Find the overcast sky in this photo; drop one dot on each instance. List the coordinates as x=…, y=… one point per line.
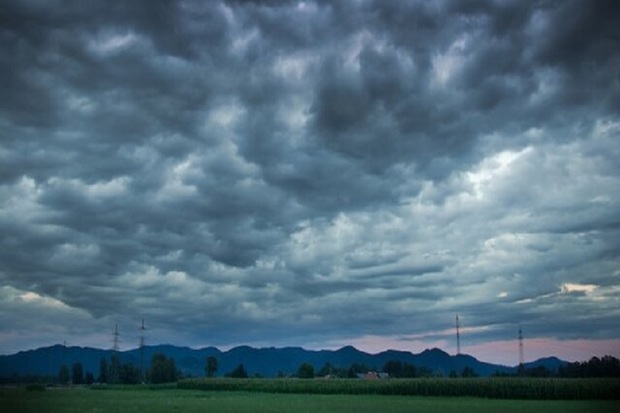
x=313, y=174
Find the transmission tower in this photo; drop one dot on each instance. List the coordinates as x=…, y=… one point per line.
x=114, y=373
x=115, y=338
x=458, y=335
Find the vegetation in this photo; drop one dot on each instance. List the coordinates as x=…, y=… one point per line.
x=63, y=374
x=238, y=373
x=607, y=366
x=394, y=368
x=77, y=373
x=141, y=399
x=306, y=371
x=103, y=371
x=115, y=372
x=35, y=387
x=112, y=371
x=496, y=388
x=211, y=367
x=163, y=369
x=400, y=370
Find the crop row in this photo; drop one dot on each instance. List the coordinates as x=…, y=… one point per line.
x=496, y=387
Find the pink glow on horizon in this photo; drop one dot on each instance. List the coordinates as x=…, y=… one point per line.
x=504, y=352
x=507, y=351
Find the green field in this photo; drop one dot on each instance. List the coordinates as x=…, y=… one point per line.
x=138, y=399
x=512, y=388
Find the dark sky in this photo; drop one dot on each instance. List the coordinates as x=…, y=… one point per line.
x=311, y=173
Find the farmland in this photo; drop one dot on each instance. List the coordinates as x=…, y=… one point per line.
x=141, y=399
x=496, y=387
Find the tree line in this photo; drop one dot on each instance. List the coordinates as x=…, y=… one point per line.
x=607, y=366
x=163, y=369
x=393, y=368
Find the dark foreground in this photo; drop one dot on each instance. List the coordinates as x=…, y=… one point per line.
x=142, y=399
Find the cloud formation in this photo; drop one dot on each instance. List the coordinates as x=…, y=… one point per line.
x=309, y=173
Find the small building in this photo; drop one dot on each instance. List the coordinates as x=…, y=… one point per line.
x=373, y=375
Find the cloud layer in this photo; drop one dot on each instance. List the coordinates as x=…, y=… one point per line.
x=309, y=173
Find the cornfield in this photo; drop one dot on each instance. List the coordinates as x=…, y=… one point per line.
x=496, y=387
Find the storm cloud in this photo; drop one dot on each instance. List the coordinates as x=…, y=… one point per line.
x=309, y=173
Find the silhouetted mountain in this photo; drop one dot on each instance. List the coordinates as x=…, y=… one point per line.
x=553, y=364
x=267, y=362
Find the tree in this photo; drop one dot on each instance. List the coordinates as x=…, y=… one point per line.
x=63, y=374
x=77, y=373
x=239, y=372
x=394, y=368
x=130, y=374
x=358, y=368
x=89, y=378
x=158, y=368
x=468, y=372
x=114, y=371
x=103, y=371
x=539, y=371
x=398, y=369
x=305, y=371
x=172, y=370
x=163, y=369
x=211, y=367
x=327, y=370
x=607, y=366
x=424, y=372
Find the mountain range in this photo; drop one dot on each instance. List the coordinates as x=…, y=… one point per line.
x=266, y=362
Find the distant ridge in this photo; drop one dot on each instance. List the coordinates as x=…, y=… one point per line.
x=267, y=361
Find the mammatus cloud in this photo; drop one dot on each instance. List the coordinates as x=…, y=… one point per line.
x=310, y=173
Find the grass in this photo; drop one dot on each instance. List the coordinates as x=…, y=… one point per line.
x=141, y=399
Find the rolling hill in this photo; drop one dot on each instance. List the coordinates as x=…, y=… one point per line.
x=267, y=362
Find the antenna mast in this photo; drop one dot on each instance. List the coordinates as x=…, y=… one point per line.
x=458, y=335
